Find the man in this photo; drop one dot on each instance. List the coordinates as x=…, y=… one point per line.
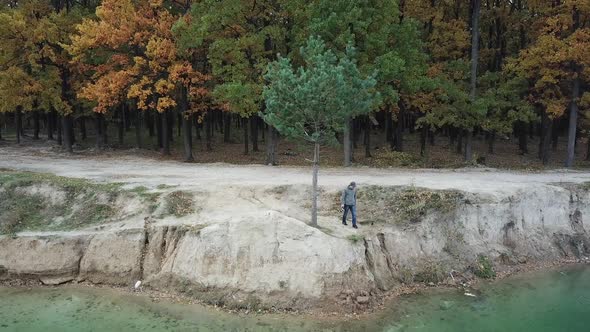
x=348, y=201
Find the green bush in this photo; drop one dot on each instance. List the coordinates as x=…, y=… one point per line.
x=484, y=268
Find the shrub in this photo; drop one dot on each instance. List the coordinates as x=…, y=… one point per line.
x=484, y=268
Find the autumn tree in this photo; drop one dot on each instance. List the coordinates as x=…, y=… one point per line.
x=131, y=53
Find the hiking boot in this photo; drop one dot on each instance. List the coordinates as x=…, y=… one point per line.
x=344, y=223
x=354, y=226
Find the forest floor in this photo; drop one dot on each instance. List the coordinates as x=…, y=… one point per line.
x=440, y=155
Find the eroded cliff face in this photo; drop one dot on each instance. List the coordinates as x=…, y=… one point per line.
x=266, y=256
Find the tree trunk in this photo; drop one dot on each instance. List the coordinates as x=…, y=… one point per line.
x=367, y=137
x=83, y=133
x=491, y=141
x=209, y=129
x=67, y=132
x=555, y=134
x=121, y=125
x=186, y=126
x=98, y=128
x=19, y=124
x=588, y=149
x=227, y=127
x=399, y=129
x=138, y=127
x=160, y=131
x=165, y=134
x=180, y=123
x=254, y=132
x=150, y=123
x=50, y=127
x=170, y=120
x=245, y=125
x=197, y=129
x=388, y=131
x=546, y=128
x=314, y=191
x=573, y=123
x=347, y=141
x=59, y=128
x=423, y=134
x=474, y=62
x=36, y=125
x=271, y=146
x=431, y=137
x=460, y=142
x=468, y=145
x=522, y=138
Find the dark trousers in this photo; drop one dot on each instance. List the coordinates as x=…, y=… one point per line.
x=352, y=209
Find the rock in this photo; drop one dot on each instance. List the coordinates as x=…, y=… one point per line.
x=362, y=299
x=113, y=258
x=52, y=281
x=26, y=256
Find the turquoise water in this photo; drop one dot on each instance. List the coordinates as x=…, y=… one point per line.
x=550, y=301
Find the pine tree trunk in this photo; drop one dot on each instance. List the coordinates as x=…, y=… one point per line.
x=98, y=128
x=150, y=123
x=271, y=146
x=197, y=129
x=347, y=141
x=355, y=135
x=474, y=63
x=170, y=120
x=138, y=127
x=36, y=125
x=59, y=128
x=314, y=191
x=423, y=134
x=180, y=123
x=50, y=128
x=121, y=125
x=523, y=138
x=186, y=126
x=573, y=116
x=83, y=134
x=491, y=141
x=546, y=129
x=431, y=137
x=166, y=134
x=160, y=131
x=388, y=131
x=367, y=137
x=227, y=127
x=209, y=129
x=460, y=142
x=19, y=124
x=555, y=134
x=105, y=131
x=246, y=138
x=67, y=132
x=254, y=132
x=573, y=123
x=399, y=129
x=469, y=145
x=588, y=149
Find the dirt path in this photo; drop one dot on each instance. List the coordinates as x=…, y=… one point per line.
x=150, y=172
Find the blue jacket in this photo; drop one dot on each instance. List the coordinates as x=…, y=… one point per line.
x=348, y=196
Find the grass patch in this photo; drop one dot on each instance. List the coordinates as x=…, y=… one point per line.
x=430, y=271
x=403, y=205
x=354, y=238
x=397, y=159
x=37, y=201
x=484, y=268
x=179, y=203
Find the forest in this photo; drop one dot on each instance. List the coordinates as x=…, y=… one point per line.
x=165, y=74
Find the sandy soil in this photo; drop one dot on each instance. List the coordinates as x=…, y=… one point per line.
x=151, y=172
